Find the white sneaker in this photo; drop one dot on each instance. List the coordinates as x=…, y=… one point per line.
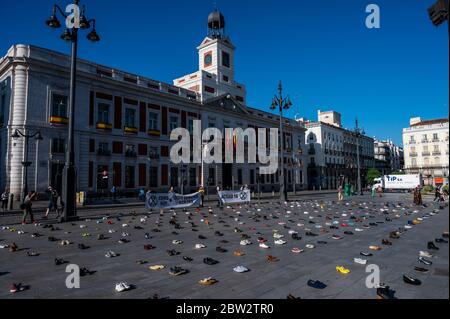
x=200, y=246
x=110, y=254
x=245, y=242
x=240, y=269
x=359, y=230
x=309, y=246
x=278, y=236
x=408, y=227
x=177, y=242
x=280, y=242
x=263, y=246
x=122, y=286
x=360, y=261
x=425, y=254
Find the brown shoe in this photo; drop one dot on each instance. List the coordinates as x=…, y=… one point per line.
x=272, y=259
x=239, y=253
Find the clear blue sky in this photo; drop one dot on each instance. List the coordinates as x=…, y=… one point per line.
x=321, y=50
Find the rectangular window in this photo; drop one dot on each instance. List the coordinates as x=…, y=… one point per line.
x=191, y=126
x=103, y=113
x=130, y=118
x=225, y=78
x=103, y=149
x=59, y=105
x=212, y=176
x=173, y=123
x=153, y=121
x=58, y=146
x=130, y=150
x=435, y=137
x=2, y=109
x=252, y=177
x=240, y=179
x=154, y=152
x=210, y=89
x=192, y=177
x=102, y=177
x=129, y=177
x=226, y=59
x=154, y=177
x=174, y=176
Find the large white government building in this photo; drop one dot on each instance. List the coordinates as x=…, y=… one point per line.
x=123, y=122
x=426, y=150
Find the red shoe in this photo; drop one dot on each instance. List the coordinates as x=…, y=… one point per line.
x=13, y=288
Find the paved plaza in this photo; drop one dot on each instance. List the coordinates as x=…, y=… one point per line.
x=374, y=218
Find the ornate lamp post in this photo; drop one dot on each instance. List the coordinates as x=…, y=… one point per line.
x=71, y=35
x=358, y=133
x=38, y=137
x=282, y=103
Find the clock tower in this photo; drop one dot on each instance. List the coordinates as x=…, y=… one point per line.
x=216, y=64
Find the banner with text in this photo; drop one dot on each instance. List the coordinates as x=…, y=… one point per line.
x=235, y=197
x=172, y=201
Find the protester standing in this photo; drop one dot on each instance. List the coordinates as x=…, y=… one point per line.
x=380, y=191
x=201, y=190
x=340, y=193
x=437, y=194
x=52, y=201
x=114, y=192
x=27, y=207
x=5, y=199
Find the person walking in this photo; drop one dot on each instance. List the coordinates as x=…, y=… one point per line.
x=374, y=191
x=380, y=191
x=5, y=199
x=437, y=194
x=53, y=198
x=114, y=193
x=340, y=193
x=219, y=203
x=27, y=207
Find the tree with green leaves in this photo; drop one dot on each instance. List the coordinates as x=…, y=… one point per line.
x=372, y=173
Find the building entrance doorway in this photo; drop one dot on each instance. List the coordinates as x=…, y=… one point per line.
x=56, y=174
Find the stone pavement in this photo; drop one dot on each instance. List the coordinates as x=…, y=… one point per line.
x=264, y=281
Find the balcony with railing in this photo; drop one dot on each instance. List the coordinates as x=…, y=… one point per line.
x=103, y=126
x=426, y=153
x=414, y=154
x=437, y=153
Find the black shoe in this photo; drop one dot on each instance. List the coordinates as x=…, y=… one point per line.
x=221, y=250
x=296, y=237
x=366, y=254
x=394, y=235
x=82, y=246
x=172, y=252
x=425, y=261
x=386, y=242
x=432, y=246
x=59, y=262
x=316, y=284
x=411, y=281
x=201, y=237
x=422, y=270
x=210, y=261
x=311, y=234
x=385, y=293
x=188, y=259
x=441, y=241
x=218, y=233
x=52, y=239
x=291, y=297
x=348, y=233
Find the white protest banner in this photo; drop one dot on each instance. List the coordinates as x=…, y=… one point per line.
x=235, y=197
x=172, y=201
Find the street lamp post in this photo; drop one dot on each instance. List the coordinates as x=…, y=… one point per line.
x=71, y=35
x=282, y=104
x=358, y=133
x=38, y=137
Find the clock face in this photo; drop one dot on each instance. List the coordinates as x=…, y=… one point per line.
x=208, y=59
